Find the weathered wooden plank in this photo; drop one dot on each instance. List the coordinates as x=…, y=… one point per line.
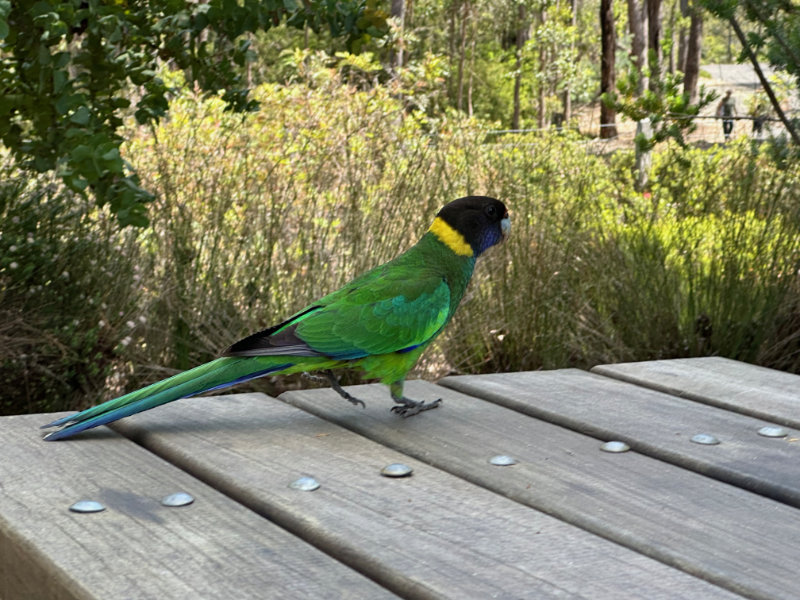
x=724, y=534
x=654, y=423
x=430, y=535
x=137, y=548
x=749, y=389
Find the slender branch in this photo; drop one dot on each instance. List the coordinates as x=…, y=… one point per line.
x=770, y=25
x=764, y=83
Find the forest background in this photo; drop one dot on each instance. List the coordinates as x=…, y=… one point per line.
x=175, y=176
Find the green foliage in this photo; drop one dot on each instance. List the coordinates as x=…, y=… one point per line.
x=525, y=310
x=720, y=45
x=255, y=217
x=72, y=70
x=68, y=295
x=668, y=108
x=258, y=214
x=332, y=179
x=725, y=234
x=704, y=264
x=776, y=30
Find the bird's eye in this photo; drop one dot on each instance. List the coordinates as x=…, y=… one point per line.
x=491, y=211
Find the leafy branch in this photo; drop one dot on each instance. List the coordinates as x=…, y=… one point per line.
x=670, y=112
x=70, y=71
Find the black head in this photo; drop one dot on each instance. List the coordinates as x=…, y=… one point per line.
x=483, y=221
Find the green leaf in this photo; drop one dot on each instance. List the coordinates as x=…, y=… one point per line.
x=80, y=116
x=77, y=183
x=66, y=102
x=60, y=79
x=80, y=153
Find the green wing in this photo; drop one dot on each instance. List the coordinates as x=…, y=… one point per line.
x=393, y=310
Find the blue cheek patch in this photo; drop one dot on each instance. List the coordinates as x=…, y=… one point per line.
x=489, y=239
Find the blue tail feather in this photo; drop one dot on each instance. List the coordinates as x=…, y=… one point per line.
x=190, y=383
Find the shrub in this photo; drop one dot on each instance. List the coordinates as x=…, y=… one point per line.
x=706, y=263
x=258, y=215
x=68, y=296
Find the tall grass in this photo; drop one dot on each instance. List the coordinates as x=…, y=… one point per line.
x=258, y=215
x=603, y=274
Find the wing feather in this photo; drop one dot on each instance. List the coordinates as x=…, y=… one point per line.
x=384, y=311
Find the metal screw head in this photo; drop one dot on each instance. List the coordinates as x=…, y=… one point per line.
x=615, y=446
x=706, y=439
x=502, y=460
x=305, y=484
x=177, y=499
x=396, y=470
x=773, y=431
x=87, y=506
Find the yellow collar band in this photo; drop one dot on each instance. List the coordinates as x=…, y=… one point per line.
x=450, y=237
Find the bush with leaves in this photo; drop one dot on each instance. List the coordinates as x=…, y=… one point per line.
x=332, y=179
x=257, y=215
x=70, y=72
x=68, y=296
x=667, y=107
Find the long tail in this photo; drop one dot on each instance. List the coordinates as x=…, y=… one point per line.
x=214, y=375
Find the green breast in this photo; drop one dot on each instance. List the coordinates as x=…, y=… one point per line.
x=431, y=257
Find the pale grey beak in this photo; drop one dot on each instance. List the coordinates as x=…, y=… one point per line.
x=505, y=226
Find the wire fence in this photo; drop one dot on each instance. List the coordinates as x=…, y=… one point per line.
x=706, y=129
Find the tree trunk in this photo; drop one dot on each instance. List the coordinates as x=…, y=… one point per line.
x=398, y=12
x=636, y=22
x=654, y=42
x=644, y=157
x=462, y=51
x=694, y=46
x=730, y=46
x=683, y=37
x=522, y=37
x=608, y=37
x=672, y=37
x=471, y=71
x=542, y=91
x=567, y=86
x=451, y=34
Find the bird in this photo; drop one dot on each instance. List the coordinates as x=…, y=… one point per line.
x=379, y=323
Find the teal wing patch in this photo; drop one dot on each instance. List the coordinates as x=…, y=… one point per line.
x=379, y=315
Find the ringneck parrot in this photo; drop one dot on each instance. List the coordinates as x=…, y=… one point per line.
x=380, y=323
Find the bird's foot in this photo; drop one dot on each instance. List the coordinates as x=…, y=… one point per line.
x=408, y=408
x=341, y=391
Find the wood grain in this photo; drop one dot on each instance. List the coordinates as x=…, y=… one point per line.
x=654, y=423
x=429, y=535
x=736, y=539
x=749, y=389
x=137, y=548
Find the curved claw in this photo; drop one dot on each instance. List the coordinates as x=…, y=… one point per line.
x=354, y=401
x=408, y=408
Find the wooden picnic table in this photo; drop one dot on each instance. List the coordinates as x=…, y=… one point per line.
x=669, y=518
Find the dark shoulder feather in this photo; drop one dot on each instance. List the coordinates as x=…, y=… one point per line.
x=277, y=340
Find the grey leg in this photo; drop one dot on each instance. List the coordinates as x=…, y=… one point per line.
x=406, y=407
x=340, y=390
